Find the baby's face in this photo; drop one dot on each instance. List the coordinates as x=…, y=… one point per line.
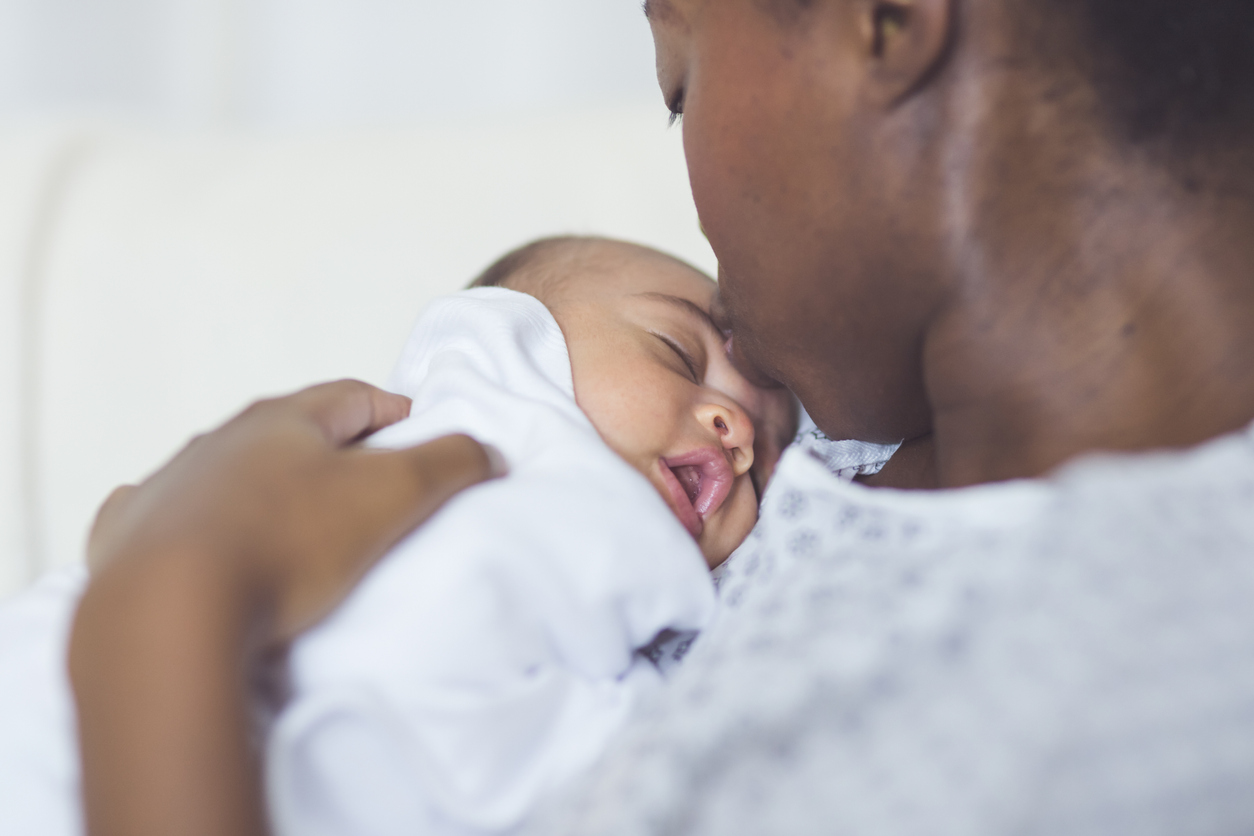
x=651, y=373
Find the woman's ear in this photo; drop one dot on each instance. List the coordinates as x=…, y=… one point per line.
x=904, y=42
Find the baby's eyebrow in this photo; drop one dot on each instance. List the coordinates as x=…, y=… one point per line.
x=688, y=307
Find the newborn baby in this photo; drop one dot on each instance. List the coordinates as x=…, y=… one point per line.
x=651, y=373
x=490, y=656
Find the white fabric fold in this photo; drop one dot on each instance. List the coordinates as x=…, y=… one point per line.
x=843, y=458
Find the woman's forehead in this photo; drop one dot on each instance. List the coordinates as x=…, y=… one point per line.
x=670, y=12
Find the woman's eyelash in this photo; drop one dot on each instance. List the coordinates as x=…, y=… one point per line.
x=676, y=107
x=683, y=355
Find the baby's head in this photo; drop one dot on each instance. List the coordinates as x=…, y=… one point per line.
x=651, y=373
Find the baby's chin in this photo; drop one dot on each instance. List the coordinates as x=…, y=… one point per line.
x=716, y=555
x=723, y=536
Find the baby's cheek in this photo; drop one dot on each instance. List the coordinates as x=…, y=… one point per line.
x=609, y=411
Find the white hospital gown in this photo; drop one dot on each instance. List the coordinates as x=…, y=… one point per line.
x=1067, y=656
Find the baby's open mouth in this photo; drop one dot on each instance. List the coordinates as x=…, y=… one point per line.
x=689, y=477
x=698, y=483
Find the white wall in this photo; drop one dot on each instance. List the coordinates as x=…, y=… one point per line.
x=331, y=228
x=320, y=63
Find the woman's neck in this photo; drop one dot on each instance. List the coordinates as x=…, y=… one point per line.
x=1108, y=309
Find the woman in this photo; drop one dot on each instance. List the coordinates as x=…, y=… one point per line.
x=1019, y=226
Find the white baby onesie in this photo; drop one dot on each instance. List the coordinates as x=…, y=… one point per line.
x=492, y=654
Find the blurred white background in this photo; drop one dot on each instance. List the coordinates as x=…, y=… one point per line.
x=204, y=201
x=299, y=64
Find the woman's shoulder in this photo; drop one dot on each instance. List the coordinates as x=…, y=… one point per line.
x=1051, y=652
x=1209, y=482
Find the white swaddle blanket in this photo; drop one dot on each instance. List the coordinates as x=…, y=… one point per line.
x=491, y=654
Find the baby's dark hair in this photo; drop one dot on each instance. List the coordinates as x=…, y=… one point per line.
x=544, y=267
x=525, y=260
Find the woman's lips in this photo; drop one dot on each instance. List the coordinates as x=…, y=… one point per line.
x=697, y=482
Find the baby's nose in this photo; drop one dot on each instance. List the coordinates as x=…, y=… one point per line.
x=734, y=430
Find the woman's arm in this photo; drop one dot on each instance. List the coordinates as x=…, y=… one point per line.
x=251, y=534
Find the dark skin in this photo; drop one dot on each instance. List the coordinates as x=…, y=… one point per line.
x=907, y=207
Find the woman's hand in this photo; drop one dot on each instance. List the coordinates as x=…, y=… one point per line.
x=279, y=492
x=250, y=535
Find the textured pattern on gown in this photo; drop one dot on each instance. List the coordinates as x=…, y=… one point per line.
x=1067, y=656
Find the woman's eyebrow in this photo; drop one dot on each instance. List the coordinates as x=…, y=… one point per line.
x=655, y=10
x=688, y=307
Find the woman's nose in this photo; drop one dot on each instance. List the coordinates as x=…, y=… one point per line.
x=733, y=428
